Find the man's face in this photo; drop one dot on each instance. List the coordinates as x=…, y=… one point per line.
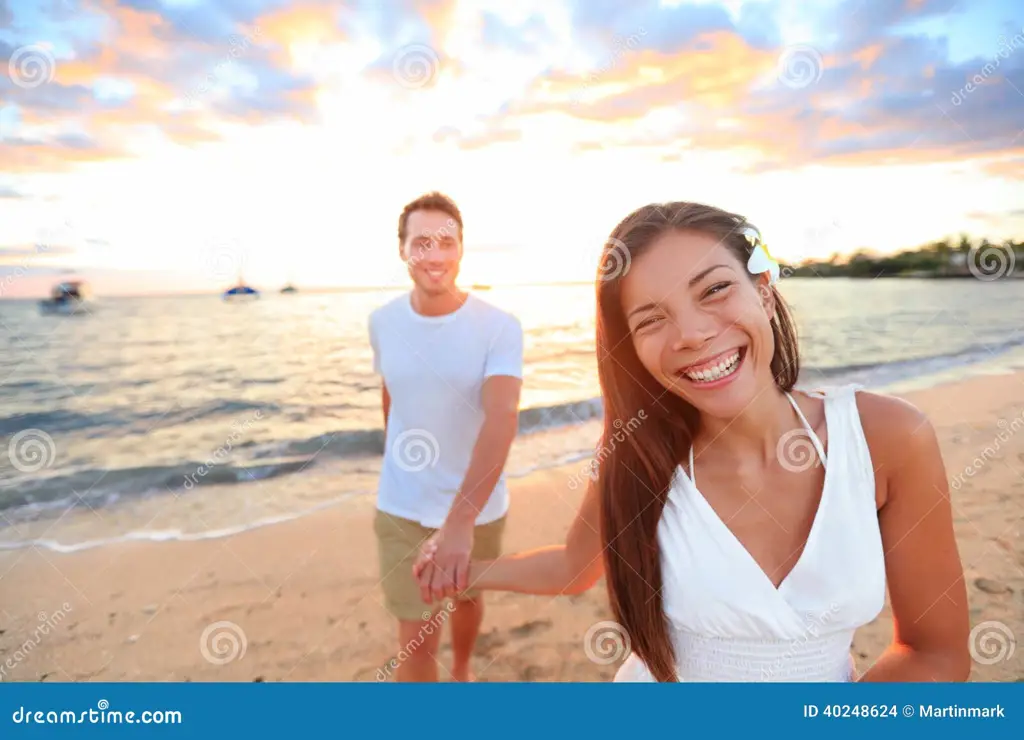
x=432, y=251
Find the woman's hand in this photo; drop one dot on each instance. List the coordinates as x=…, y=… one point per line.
x=556, y=570
x=422, y=569
x=423, y=559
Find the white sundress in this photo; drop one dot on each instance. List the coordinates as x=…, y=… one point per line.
x=728, y=621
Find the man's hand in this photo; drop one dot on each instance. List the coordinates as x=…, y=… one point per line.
x=443, y=565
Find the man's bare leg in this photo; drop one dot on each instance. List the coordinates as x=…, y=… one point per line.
x=466, y=621
x=418, y=641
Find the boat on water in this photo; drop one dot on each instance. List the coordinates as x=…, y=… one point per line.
x=289, y=289
x=241, y=292
x=69, y=298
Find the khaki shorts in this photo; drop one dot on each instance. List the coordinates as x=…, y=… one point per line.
x=398, y=544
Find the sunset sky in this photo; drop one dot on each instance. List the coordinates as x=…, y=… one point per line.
x=162, y=146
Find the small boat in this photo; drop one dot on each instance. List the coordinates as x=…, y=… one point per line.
x=241, y=292
x=289, y=289
x=69, y=298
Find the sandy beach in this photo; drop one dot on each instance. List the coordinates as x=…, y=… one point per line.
x=299, y=600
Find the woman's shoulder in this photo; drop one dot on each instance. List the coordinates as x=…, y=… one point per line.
x=897, y=432
x=876, y=409
x=890, y=415
x=890, y=423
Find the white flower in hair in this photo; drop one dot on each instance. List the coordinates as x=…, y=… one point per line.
x=760, y=260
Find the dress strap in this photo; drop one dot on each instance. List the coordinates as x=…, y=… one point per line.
x=810, y=430
x=692, y=475
x=819, y=448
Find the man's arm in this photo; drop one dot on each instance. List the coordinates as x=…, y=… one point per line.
x=500, y=402
x=448, y=572
x=385, y=402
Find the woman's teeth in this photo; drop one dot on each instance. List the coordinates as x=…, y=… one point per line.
x=725, y=367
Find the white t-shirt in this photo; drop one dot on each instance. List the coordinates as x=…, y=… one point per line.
x=434, y=368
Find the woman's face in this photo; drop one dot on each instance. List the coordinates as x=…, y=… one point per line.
x=699, y=323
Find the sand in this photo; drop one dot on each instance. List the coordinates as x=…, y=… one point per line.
x=299, y=600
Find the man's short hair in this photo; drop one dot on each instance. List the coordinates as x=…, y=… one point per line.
x=434, y=201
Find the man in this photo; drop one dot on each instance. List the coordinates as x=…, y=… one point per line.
x=451, y=366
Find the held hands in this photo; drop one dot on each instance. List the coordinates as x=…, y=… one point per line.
x=442, y=567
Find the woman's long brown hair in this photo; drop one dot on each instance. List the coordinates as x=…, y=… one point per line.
x=636, y=466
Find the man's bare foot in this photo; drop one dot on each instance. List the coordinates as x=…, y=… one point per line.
x=463, y=674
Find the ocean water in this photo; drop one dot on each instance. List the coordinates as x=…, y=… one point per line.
x=189, y=417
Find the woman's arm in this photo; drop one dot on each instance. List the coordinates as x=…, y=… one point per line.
x=923, y=568
x=571, y=568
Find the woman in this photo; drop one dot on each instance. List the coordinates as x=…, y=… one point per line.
x=745, y=529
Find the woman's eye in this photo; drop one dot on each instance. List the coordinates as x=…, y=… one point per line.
x=717, y=288
x=645, y=323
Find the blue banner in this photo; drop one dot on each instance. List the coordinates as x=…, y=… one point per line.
x=522, y=711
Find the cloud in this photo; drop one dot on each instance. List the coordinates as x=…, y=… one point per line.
x=862, y=22
x=205, y=22
x=54, y=154
x=893, y=98
x=480, y=139
x=28, y=253
x=666, y=29
x=148, y=67
x=666, y=79
x=528, y=36
x=394, y=23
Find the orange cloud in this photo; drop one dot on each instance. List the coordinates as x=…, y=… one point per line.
x=1010, y=168
x=869, y=55
x=717, y=73
x=27, y=158
x=719, y=92
x=136, y=33
x=299, y=25
x=438, y=15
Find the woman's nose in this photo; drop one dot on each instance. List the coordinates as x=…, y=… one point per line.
x=692, y=333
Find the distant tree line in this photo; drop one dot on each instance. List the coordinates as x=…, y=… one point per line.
x=964, y=258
